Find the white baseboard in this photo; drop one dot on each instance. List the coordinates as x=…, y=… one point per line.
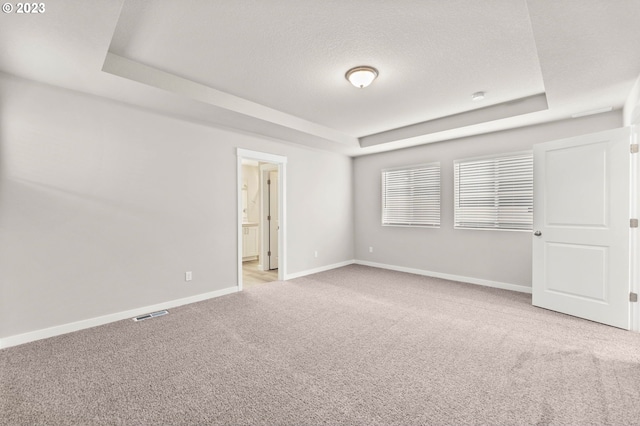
x=31, y=336
x=320, y=269
x=105, y=319
x=469, y=280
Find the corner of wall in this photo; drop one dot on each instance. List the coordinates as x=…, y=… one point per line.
x=319, y=269
x=631, y=110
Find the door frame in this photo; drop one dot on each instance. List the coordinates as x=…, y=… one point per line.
x=281, y=162
x=634, y=238
x=264, y=170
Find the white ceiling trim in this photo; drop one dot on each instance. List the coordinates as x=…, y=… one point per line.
x=135, y=71
x=200, y=66
x=458, y=121
x=132, y=70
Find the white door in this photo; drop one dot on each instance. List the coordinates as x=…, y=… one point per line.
x=274, y=224
x=581, y=226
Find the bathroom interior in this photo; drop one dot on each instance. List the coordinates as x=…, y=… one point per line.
x=259, y=223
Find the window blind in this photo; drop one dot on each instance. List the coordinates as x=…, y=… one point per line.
x=411, y=196
x=494, y=193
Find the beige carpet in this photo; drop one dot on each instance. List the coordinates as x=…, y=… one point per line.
x=352, y=346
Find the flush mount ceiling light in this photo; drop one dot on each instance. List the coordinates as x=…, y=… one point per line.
x=361, y=76
x=478, y=96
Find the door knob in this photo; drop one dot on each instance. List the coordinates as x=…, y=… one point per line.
x=537, y=233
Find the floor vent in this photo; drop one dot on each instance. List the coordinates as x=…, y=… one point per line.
x=151, y=315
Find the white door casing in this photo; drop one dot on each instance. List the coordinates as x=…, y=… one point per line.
x=265, y=227
x=273, y=219
x=581, y=263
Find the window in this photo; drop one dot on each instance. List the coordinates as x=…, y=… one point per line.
x=411, y=196
x=494, y=193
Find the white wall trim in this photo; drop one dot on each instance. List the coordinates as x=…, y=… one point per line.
x=469, y=280
x=261, y=156
x=44, y=333
x=105, y=319
x=319, y=269
x=634, y=243
x=459, y=278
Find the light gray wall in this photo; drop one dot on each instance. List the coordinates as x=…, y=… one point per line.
x=499, y=256
x=104, y=207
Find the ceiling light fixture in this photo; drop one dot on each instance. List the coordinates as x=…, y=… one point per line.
x=361, y=76
x=478, y=96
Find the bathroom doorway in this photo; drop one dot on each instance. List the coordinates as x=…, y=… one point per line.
x=261, y=208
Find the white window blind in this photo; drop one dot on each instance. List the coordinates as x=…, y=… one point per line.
x=494, y=193
x=411, y=196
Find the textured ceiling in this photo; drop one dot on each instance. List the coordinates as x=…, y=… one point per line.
x=291, y=55
x=276, y=68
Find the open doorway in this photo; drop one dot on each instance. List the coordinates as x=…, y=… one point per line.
x=261, y=215
x=259, y=222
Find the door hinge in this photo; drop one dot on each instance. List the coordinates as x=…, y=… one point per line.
x=268, y=181
x=634, y=148
x=633, y=297
x=269, y=254
x=269, y=217
x=633, y=223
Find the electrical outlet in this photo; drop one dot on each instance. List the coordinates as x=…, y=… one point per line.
x=188, y=276
x=315, y=253
x=370, y=249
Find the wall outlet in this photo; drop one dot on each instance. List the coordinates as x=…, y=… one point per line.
x=188, y=276
x=370, y=249
x=315, y=253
